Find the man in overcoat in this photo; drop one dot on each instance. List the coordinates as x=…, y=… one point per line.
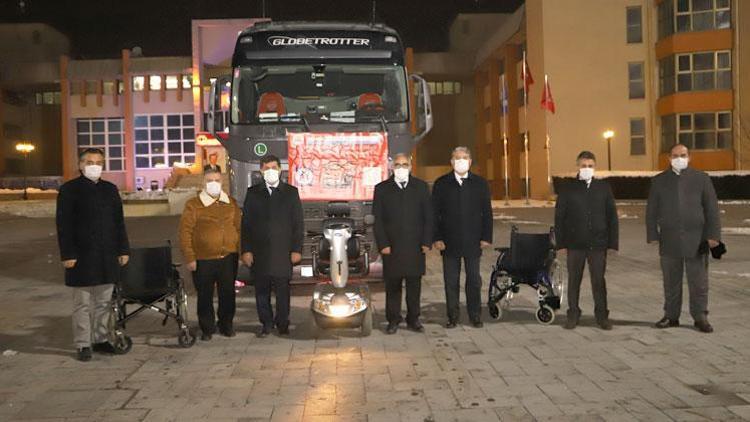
x=682, y=214
x=93, y=245
x=403, y=232
x=463, y=226
x=272, y=236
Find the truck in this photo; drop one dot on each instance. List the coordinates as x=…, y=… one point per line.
x=294, y=80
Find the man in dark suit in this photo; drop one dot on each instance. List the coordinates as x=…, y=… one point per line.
x=403, y=232
x=212, y=163
x=585, y=227
x=93, y=246
x=463, y=226
x=272, y=235
x=683, y=216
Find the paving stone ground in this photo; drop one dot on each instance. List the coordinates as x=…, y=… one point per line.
x=510, y=370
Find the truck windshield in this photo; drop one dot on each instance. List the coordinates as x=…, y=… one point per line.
x=345, y=93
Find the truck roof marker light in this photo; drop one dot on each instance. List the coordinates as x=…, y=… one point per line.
x=246, y=40
x=222, y=135
x=390, y=38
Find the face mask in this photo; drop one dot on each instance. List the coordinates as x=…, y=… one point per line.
x=213, y=188
x=93, y=172
x=461, y=165
x=586, y=173
x=679, y=163
x=271, y=176
x=401, y=175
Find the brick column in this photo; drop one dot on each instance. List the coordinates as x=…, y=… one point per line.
x=128, y=121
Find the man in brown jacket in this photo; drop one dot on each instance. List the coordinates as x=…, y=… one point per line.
x=209, y=239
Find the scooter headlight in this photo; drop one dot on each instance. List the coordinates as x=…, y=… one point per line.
x=339, y=305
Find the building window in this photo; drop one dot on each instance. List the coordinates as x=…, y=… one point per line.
x=638, y=136
x=139, y=82
x=444, y=88
x=634, y=17
x=48, y=98
x=172, y=82
x=700, y=131
x=108, y=87
x=186, y=82
x=704, y=71
x=154, y=83
x=107, y=134
x=636, y=85
x=702, y=15
x=161, y=140
x=666, y=76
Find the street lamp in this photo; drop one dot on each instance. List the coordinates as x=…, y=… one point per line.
x=25, y=148
x=608, y=135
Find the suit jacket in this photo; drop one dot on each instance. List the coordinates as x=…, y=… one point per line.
x=586, y=217
x=272, y=228
x=403, y=222
x=463, y=214
x=682, y=212
x=91, y=229
x=209, y=166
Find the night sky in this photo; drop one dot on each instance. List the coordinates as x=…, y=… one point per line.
x=101, y=28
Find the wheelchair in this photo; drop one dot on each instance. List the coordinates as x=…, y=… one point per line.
x=531, y=260
x=149, y=279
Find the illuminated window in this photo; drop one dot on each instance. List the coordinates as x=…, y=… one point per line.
x=139, y=82
x=154, y=83
x=172, y=82
x=186, y=82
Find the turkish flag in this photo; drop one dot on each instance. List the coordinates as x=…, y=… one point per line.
x=547, y=101
x=526, y=74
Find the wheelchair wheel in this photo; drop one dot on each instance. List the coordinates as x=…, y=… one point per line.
x=122, y=343
x=545, y=315
x=495, y=311
x=181, y=304
x=186, y=338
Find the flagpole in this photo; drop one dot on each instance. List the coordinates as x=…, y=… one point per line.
x=549, y=152
x=504, y=100
x=526, y=125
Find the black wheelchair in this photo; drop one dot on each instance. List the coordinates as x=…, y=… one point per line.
x=149, y=279
x=531, y=259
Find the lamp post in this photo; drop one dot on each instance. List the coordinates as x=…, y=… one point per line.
x=608, y=135
x=25, y=148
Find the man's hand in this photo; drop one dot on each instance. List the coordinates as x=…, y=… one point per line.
x=425, y=249
x=296, y=257
x=247, y=259
x=439, y=245
x=386, y=251
x=69, y=263
x=483, y=244
x=192, y=266
x=123, y=260
x=712, y=243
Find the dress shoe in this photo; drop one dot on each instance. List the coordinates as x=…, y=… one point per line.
x=451, y=324
x=84, y=354
x=283, y=330
x=604, y=324
x=703, y=326
x=104, y=348
x=477, y=324
x=416, y=326
x=227, y=332
x=263, y=332
x=392, y=328
x=206, y=336
x=666, y=323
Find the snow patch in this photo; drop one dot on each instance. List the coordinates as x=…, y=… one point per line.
x=736, y=230
x=628, y=217
x=503, y=217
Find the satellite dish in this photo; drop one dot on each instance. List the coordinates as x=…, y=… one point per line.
x=136, y=52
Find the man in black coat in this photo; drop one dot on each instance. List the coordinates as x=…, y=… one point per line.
x=586, y=227
x=272, y=236
x=463, y=226
x=682, y=214
x=93, y=245
x=403, y=232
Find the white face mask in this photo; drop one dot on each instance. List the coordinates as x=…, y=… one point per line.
x=586, y=173
x=679, y=163
x=461, y=165
x=213, y=188
x=271, y=176
x=92, y=172
x=401, y=175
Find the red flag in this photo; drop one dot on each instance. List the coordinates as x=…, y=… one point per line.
x=547, y=101
x=526, y=74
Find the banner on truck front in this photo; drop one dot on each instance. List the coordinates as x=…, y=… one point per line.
x=337, y=166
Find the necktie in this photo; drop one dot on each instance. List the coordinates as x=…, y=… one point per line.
x=463, y=180
x=273, y=190
x=403, y=185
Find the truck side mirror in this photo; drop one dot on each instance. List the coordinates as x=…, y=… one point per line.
x=424, y=107
x=217, y=122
